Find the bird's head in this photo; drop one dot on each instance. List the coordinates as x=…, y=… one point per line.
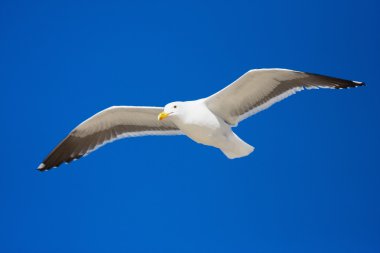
x=171, y=110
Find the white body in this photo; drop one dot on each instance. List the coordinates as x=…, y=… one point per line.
x=213, y=132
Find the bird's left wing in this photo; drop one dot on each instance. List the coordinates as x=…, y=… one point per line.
x=258, y=89
x=108, y=125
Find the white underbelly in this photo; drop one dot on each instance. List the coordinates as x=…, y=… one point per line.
x=199, y=134
x=211, y=135
x=203, y=126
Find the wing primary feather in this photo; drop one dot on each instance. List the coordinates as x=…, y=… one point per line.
x=111, y=124
x=259, y=89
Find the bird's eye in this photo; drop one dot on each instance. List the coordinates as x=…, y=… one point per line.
x=175, y=106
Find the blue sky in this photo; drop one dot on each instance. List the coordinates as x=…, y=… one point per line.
x=312, y=184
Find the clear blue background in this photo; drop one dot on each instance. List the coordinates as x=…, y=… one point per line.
x=312, y=184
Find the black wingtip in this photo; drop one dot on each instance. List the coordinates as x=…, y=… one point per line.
x=42, y=167
x=346, y=84
x=45, y=166
x=357, y=84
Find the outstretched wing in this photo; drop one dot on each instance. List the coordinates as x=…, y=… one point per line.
x=106, y=126
x=258, y=89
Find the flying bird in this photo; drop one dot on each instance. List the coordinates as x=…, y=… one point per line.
x=208, y=121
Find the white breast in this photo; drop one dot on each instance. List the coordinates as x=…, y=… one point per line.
x=201, y=125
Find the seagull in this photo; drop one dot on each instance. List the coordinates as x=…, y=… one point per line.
x=207, y=121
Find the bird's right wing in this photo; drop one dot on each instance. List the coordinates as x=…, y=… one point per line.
x=258, y=89
x=108, y=125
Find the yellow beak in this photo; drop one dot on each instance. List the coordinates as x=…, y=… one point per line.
x=162, y=115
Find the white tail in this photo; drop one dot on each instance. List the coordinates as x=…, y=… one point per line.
x=236, y=147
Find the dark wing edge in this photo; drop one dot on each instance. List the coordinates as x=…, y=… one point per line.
x=297, y=81
x=74, y=147
x=111, y=124
x=289, y=87
x=329, y=82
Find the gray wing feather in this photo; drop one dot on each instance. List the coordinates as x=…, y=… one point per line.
x=258, y=89
x=106, y=126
